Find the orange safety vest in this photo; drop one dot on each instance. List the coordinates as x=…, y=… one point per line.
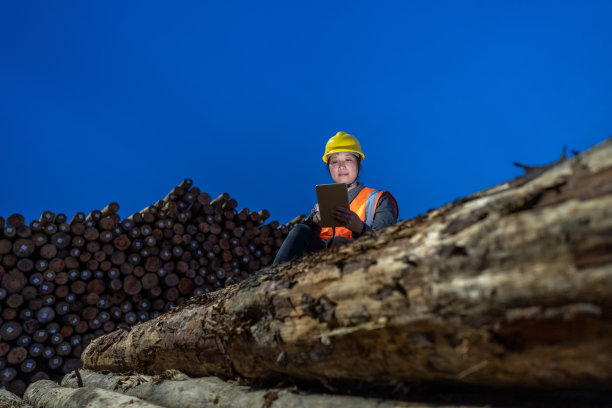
x=364, y=205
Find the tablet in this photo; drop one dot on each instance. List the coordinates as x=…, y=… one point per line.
x=329, y=196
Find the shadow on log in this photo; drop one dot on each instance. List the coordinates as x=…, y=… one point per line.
x=509, y=287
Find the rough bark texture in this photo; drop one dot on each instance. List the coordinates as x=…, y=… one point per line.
x=10, y=400
x=511, y=286
x=173, y=389
x=49, y=394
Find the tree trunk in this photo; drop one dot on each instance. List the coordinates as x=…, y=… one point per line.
x=48, y=394
x=173, y=389
x=511, y=286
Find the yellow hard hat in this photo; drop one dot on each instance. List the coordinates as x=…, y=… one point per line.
x=342, y=142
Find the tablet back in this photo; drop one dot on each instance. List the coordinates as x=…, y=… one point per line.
x=329, y=196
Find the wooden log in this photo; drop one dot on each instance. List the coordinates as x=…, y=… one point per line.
x=4, y=348
x=17, y=386
x=25, y=265
x=186, y=184
x=510, y=286
x=24, y=231
x=55, y=362
x=220, y=200
x=132, y=285
x=64, y=227
x=9, y=232
x=77, y=228
x=28, y=366
x=39, y=375
x=61, y=218
x=46, y=288
x=56, y=265
x=230, y=204
x=203, y=199
x=14, y=300
x=17, y=355
x=78, y=217
x=10, y=400
x=60, y=240
x=35, y=226
x=35, y=350
x=49, y=394
x=23, y=248
x=47, y=217
x=15, y=221
x=10, y=330
x=173, y=389
x=24, y=340
x=137, y=218
x=6, y=246
x=106, y=224
x=111, y=208
x=48, y=251
x=8, y=374
x=50, y=229
x=91, y=234
x=45, y=314
x=152, y=264
x=117, y=257
x=14, y=281
x=95, y=216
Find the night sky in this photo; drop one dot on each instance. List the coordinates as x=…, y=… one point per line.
x=121, y=101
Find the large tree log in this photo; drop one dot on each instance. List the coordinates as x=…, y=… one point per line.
x=10, y=400
x=49, y=394
x=173, y=389
x=511, y=286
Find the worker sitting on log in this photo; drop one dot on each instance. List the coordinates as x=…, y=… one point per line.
x=370, y=209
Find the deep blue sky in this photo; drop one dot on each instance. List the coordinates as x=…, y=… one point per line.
x=106, y=101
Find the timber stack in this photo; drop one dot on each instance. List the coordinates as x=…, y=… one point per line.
x=67, y=281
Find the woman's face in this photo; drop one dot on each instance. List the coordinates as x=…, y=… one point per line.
x=343, y=167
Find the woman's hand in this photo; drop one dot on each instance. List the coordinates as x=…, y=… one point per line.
x=348, y=219
x=314, y=222
x=317, y=218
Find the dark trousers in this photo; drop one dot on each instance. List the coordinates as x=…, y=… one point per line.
x=300, y=240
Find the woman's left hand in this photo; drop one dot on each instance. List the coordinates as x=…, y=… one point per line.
x=348, y=218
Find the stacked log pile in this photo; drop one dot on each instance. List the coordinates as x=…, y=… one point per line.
x=67, y=281
x=510, y=288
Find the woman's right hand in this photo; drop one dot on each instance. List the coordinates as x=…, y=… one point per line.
x=314, y=221
x=317, y=218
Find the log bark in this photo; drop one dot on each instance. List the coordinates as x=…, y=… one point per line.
x=10, y=400
x=511, y=286
x=49, y=394
x=172, y=389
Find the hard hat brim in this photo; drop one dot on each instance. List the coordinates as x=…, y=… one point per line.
x=326, y=156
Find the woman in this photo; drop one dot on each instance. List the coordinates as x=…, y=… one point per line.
x=369, y=210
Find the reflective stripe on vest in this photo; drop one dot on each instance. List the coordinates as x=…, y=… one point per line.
x=364, y=205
